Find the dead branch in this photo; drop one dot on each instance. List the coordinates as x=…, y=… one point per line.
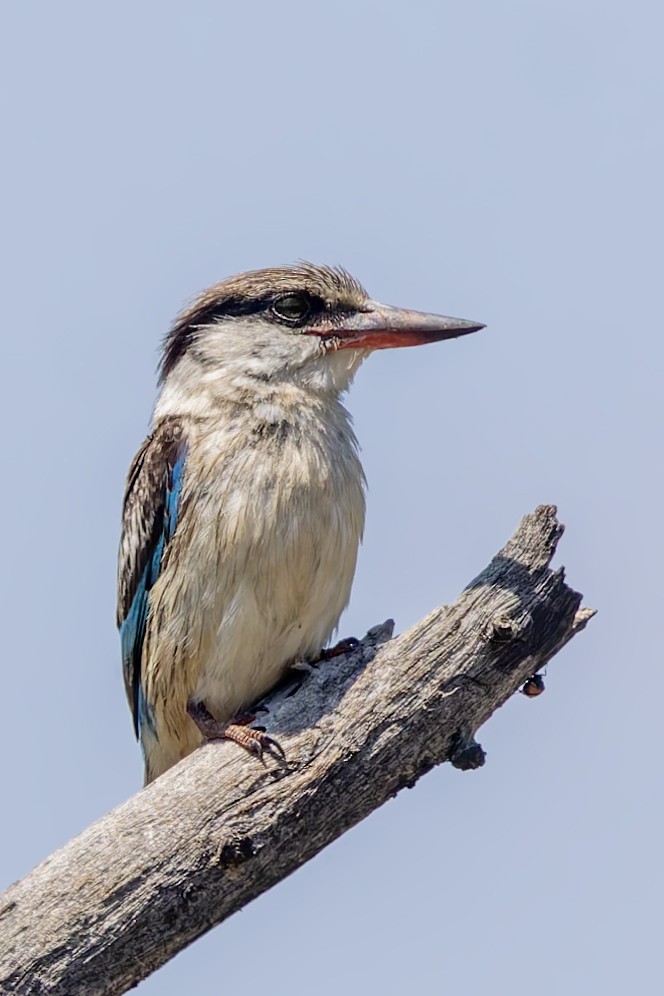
x=179, y=857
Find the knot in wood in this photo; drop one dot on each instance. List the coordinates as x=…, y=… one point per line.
x=505, y=629
x=465, y=752
x=469, y=758
x=236, y=852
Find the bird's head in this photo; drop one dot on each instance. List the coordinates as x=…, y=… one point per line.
x=303, y=324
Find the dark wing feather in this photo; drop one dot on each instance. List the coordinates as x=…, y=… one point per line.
x=150, y=515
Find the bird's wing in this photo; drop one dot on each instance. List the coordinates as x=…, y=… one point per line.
x=150, y=516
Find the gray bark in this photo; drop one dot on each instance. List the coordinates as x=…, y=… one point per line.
x=212, y=833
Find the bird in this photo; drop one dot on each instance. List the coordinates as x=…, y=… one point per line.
x=244, y=507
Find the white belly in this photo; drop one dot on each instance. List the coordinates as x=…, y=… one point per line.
x=284, y=607
x=274, y=548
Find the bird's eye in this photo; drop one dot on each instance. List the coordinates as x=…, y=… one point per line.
x=292, y=307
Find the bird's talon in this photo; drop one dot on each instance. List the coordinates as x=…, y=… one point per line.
x=254, y=739
x=274, y=745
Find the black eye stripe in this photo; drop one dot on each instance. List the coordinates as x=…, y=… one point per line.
x=184, y=332
x=237, y=307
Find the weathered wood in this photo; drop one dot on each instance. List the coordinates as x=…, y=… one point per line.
x=211, y=834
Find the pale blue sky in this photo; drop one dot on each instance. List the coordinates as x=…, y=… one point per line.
x=500, y=161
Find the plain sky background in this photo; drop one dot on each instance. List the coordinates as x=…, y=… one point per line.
x=500, y=161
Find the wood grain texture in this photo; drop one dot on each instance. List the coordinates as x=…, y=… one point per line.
x=220, y=828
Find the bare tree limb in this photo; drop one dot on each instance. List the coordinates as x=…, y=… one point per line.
x=211, y=834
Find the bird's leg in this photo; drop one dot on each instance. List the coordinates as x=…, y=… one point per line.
x=342, y=647
x=237, y=730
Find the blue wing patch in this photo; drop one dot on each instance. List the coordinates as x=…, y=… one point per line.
x=152, y=509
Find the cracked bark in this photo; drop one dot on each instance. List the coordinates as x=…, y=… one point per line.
x=203, y=840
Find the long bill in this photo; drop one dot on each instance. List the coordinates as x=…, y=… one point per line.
x=381, y=326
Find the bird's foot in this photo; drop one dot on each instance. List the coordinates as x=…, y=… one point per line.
x=255, y=740
x=342, y=647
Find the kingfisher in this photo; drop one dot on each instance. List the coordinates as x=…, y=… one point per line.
x=244, y=507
